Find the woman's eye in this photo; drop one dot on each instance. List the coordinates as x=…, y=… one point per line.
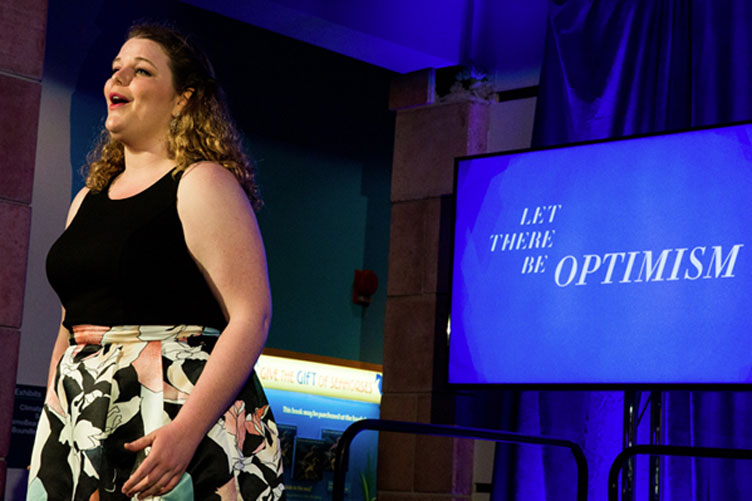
x=115, y=70
x=143, y=72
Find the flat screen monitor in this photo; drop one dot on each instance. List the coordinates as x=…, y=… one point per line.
x=621, y=262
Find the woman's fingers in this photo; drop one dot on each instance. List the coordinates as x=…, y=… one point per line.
x=140, y=478
x=148, y=486
x=140, y=443
x=138, y=488
x=165, y=463
x=161, y=486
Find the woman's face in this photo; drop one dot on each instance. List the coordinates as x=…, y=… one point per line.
x=141, y=99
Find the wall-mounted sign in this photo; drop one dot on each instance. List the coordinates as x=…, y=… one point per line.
x=288, y=374
x=27, y=407
x=313, y=403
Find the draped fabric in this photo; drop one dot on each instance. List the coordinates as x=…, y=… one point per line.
x=615, y=68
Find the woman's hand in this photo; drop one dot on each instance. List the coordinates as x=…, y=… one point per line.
x=164, y=466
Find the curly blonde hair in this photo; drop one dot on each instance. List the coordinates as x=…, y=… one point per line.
x=204, y=129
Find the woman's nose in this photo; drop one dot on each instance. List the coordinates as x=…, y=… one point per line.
x=121, y=76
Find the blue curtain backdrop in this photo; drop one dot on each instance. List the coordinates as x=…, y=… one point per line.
x=615, y=68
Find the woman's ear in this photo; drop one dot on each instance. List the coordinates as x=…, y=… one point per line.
x=182, y=101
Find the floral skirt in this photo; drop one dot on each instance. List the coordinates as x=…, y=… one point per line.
x=116, y=384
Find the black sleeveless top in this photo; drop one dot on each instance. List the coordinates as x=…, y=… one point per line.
x=125, y=262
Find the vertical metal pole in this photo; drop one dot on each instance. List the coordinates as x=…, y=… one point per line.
x=631, y=405
x=656, y=438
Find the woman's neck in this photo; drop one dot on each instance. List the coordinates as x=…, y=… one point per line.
x=146, y=162
x=142, y=169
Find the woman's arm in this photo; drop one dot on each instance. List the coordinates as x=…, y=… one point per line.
x=61, y=344
x=62, y=341
x=222, y=235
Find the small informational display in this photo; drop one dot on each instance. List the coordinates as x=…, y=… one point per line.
x=618, y=262
x=27, y=407
x=313, y=403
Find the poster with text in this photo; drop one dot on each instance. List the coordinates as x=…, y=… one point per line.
x=313, y=403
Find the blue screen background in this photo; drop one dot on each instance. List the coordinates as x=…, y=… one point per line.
x=645, y=194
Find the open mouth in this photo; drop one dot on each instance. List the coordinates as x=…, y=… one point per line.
x=117, y=100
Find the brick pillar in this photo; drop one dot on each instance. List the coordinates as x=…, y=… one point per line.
x=22, y=34
x=427, y=139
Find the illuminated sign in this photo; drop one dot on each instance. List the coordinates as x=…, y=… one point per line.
x=617, y=262
x=316, y=378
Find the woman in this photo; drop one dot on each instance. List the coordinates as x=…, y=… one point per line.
x=160, y=254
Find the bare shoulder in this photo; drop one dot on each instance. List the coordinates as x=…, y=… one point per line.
x=208, y=177
x=218, y=222
x=207, y=189
x=75, y=204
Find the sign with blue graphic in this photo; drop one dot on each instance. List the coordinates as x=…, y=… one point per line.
x=619, y=262
x=313, y=403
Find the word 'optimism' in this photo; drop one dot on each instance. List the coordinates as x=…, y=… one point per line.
x=640, y=266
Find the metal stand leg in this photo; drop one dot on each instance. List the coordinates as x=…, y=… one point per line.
x=631, y=405
x=656, y=438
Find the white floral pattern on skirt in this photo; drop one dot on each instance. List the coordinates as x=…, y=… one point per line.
x=116, y=384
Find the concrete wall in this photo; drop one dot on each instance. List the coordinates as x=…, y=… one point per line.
x=22, y=35
x=429, y=136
